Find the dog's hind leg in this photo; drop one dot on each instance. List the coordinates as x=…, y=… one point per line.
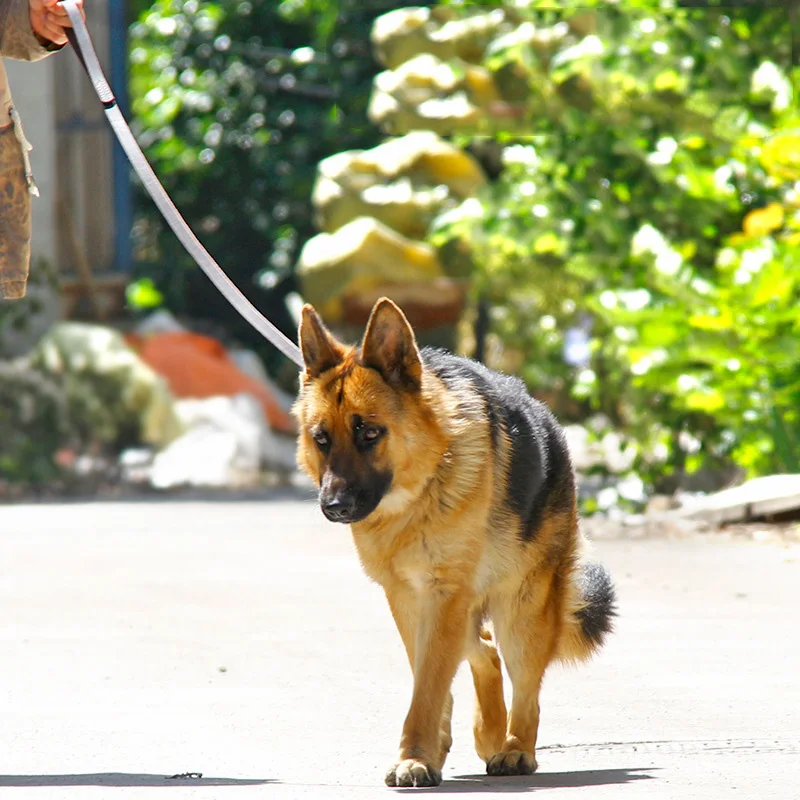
x=489, y=725
x=527, y=630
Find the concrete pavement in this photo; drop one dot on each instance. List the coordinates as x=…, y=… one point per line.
x=241, y=640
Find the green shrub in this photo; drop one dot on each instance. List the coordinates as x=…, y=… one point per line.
x=654, y=208
x=34, y=425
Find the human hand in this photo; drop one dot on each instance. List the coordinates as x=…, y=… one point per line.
x=49, y=19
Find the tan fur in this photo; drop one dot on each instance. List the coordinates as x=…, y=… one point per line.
x=443, y=545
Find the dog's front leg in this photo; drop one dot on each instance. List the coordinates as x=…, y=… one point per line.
x=438, y=650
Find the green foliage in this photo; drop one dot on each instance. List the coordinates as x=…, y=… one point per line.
x=18, y=316
x=235, y=103
x=655, y=206
x=143, y=294
x=724, y=350
x=47, y=419
x=30, y=401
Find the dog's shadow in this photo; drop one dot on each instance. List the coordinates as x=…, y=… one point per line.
x=542, y=780
x=125, y=779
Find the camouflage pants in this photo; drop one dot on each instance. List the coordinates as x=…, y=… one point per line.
x=15, y=218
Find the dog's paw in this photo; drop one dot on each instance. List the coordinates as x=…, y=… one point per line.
x=412, y=772
x=514, y=762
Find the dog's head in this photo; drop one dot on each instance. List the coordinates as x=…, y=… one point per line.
x=362, y=414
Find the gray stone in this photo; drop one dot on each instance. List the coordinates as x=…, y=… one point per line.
x=757, y=498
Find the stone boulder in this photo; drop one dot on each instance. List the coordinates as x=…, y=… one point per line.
x=343, y=273
x=443, y=96
x=404, y=183
x=445, y=32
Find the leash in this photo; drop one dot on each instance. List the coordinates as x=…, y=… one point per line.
x=82, y=45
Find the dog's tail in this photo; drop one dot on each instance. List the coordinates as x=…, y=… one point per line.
x=590, y=613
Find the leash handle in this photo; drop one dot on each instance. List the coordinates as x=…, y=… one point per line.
x=82, y=45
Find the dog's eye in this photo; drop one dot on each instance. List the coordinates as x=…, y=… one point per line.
x=369, y=435
x=365, y=435
x=322, y=439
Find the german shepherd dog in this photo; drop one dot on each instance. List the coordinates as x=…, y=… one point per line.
x=460, y=495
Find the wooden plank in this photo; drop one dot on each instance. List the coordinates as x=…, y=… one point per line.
x=95, y=143
x=84, y=159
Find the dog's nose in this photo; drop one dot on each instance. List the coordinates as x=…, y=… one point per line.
x=339, y=508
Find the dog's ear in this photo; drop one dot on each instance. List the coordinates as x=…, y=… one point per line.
x=390, y=347
x=320, y=349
